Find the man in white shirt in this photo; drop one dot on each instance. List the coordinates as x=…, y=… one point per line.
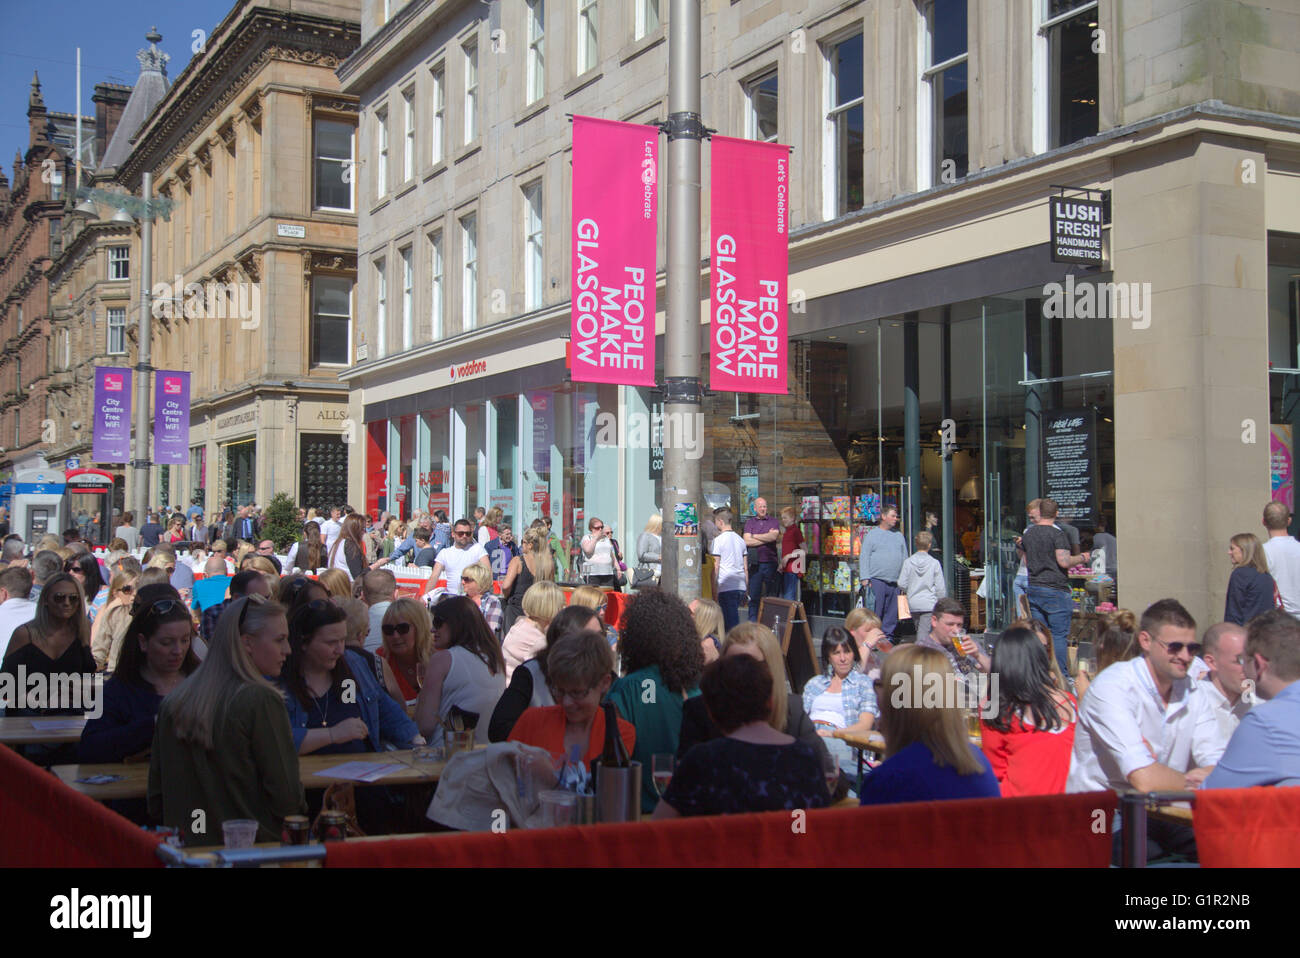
x=1144, y=725
x=378, y=590
x=1225, y=645
x=16, y=608
x=1283, y=554
x=731, y=571
x=329, y=530
x=462, y=553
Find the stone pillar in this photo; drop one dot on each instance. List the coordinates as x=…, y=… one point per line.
x=1191, y=378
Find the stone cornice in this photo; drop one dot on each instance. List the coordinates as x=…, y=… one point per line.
x=222, y=74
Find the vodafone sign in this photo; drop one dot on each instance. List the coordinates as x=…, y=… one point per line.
x=465, y=370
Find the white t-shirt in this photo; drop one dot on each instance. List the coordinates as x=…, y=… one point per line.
x=329, y=531
x=1283, y=554
x=375, y=637
x=732, y=558
x=455, y=561
x=484, y=535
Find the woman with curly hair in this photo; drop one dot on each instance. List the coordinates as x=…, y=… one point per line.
x=662, y=662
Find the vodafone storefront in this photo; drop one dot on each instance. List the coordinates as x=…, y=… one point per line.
x=505, y=429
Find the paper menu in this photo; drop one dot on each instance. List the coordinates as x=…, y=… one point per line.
x=361, y=771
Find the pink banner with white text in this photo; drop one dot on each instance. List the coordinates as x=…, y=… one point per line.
x=749, y=259
x=615, y=216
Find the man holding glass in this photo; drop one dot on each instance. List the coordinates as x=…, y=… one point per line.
x=948, y=635
x=1145, y=725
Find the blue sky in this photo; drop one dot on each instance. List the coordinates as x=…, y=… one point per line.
x=44, y=36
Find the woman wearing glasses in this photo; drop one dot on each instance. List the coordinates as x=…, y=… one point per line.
x=110, y=625
x=222, y=742
x=156, y=657
x=465, y=672
x=317, y=680
x=55, y=642
x=580, y=669
x=598, y=549
x=407, y=644
x=85, y=569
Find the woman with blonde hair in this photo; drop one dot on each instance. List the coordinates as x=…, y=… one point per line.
x=336, y=582
x=788, y=716
x=928, y=753
x=242, y=551
x=110, y=625
x=869, y=633
x=527, y=636
x=649, y=551
x=534, y=564
x=708, y=623
x=597, y=600
x=358, y=628
x=1251, y=590
x=223, y=742
x=408, y=643
x=476, y=583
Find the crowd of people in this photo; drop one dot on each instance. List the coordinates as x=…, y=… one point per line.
x=224, y=679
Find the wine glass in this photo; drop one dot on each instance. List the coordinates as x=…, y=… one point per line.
x=661, y=769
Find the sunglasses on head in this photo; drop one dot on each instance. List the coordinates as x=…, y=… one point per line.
x=397, y=628
x=243, y=613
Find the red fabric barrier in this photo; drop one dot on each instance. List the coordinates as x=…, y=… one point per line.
x=47, y=824
x=1050, y=831
x=1247, y=827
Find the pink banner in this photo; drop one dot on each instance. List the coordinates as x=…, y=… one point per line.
x=615, y=216
x=749, y=265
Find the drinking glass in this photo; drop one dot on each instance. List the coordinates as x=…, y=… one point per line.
x=661, y=768
x=239, y=832
x=831, y=770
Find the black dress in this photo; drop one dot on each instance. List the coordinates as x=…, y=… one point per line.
x=515, y=601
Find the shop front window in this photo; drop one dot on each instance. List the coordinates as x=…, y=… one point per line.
x=238, y=471
x=1283, y=365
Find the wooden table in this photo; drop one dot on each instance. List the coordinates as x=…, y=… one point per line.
x=1179, y=814
x=19, y=730
x=134, y=780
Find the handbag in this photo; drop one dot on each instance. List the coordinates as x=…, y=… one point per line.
x=643, y=575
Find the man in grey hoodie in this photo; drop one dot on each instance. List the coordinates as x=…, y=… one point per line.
x=922, y=580
x=883, y=552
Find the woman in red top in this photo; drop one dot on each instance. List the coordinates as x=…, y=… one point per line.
x=579, y=668
x=408, y=643
x=1030, y=740
x=791, y=550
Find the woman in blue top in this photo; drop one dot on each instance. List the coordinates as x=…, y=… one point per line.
x=928, y=754
x=841, y=698
x=1250, y=588
x=662, y=662
x=156, y=657
x=335, y=703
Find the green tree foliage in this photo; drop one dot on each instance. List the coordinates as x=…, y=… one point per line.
x=280, y=522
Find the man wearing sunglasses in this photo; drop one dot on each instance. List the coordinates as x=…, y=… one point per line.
x=456, y=558
x=1145, y=725
x=1265, y=749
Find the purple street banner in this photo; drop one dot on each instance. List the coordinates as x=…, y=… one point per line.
x=171, y=422
x=111, y=440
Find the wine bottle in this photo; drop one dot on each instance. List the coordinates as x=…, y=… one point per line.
x=615, y=753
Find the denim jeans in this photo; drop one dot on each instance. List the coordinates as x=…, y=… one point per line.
x=1019, y=587
x=1054, y=608
x=790, y=586
x=886, y=605
x=761, y=583
x=730, y=602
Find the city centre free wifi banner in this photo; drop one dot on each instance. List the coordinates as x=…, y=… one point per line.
x=615, y=217
x=171, y=424
x=749, y=265
x=111, y=438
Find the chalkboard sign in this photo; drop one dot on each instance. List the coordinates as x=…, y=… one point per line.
x=1070, y=464
x=790, y=623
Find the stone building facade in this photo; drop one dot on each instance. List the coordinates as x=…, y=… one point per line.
x=928, y=136
x=253, y=271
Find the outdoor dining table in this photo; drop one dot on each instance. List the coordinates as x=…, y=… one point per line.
x=132, y=780
x=23, y=730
